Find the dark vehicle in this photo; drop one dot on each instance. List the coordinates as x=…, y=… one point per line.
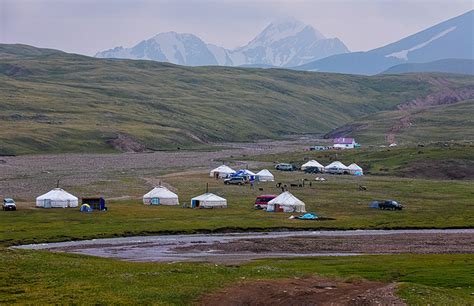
x=336, y=170
x=390, y=205
x=312, y=170
x=262, y=201
x=8, y=204
x=236, y=180
x=284, y=167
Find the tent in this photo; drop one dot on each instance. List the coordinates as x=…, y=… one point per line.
x=286, y=202
x=265, y=176
x=312, y=163
x=160, y=196
x=57, y=198
x=355, y=169
x=208, y=200
x=338, y=165
x=86, y=208
x=222, y=172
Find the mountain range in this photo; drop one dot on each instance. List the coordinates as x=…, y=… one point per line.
x=285, y=42
x=451, y=39
x=289, y=43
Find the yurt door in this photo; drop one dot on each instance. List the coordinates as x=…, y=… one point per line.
x=155, y=201
x=47, y=203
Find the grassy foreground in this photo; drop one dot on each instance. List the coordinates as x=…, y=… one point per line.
x=44, y=277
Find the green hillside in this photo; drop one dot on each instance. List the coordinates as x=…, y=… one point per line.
x=52, y=101
x=452, y=122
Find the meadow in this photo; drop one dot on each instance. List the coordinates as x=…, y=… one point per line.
x=46, y=277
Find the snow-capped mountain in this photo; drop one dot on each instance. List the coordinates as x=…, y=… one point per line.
x=283, y=43
x=286, y=43
x=176, y=48
x=451, y=39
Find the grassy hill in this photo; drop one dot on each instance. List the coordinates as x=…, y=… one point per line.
x=451, y=65
x=52, y=101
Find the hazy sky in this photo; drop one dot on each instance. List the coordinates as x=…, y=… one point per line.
x=87, y=26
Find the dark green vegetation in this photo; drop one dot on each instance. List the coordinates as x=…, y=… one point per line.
x=57, y=102
x=63, y=278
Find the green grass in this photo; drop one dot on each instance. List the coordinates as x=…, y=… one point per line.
x=43, y=277
x=58, y=102
x=429, y=204
x=396, y=161
x=452, y=122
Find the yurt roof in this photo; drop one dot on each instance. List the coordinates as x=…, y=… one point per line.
x=264, y=172
x=354, y=166
x=57, y=194
x=223, y=169
x=286, y=198
x=336, y=164
x=208, y=197
x=312, y=163
x=161, y=192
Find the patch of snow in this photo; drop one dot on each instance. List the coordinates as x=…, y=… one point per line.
x=404, y=53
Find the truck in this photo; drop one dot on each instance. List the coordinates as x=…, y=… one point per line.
x=8, y=204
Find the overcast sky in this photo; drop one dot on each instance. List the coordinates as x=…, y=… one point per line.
x=87, y=26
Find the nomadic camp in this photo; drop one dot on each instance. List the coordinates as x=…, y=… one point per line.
x=57, y=198
x=337, y=168
x=221, y=172
x=208, y=200
x=355, y=169
x=265, y=176
x=286, y=202
x=160, y=196
x=312, y=164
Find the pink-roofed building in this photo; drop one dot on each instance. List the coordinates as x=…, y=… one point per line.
x=344, y=143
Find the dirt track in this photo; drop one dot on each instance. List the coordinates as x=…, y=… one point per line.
x=308, y=291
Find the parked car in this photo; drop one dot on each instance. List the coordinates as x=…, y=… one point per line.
x=262, y=201
x=284, y=167
x=336, y=170
x=390, y=205
x=8, y=204
x=312, y=170
x=236, y=180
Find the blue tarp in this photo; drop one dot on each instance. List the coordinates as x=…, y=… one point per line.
x=308, y=216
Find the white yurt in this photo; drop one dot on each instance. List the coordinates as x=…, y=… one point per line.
x=57, y=198
x=337, y=165
x=355, y=169
x=312, y=163
x=265, y=176
x=222, y=172
x=286, y=202
x=208, y=200
x=160, y=196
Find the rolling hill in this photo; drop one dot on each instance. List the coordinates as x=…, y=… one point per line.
x=460, y=66
x=52, y=101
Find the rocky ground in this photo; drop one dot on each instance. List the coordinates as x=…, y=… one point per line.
x=440, y=243
x=308, y=291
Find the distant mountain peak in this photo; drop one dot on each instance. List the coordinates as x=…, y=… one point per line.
x=284, y=42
